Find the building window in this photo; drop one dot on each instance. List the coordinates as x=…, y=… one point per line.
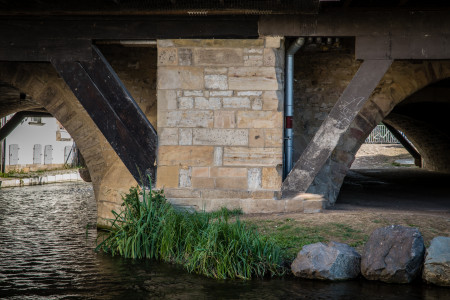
x=36, y=121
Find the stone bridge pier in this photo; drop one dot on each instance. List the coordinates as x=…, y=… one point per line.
x=197, y=101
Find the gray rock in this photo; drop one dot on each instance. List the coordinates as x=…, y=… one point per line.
x=393, y=254
x=332, y=261
x=436, y=268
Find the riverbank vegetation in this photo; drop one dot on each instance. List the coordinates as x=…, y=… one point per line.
x=206, y=243
x=292, y=231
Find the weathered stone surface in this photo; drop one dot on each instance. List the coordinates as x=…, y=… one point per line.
x=186, y=118
x=273, y=41
x=177, y=77
x=207, y=103
x=185, y=177
x=189, y=93
x=167, y=56
x=205, y=114
x=218, y=57
x=185, y=136
x=228, y=172
x=165, y=43
x=216, y=82
x=167, y=176
x=273, y=57
x=253, y=78
x=254, y=179
x=232, y=183
x=224, y=119
x=393, y=254
x=167, y=100
x=184, y=57
x=216, y=70
x=331, y=261
x=236, y=102
x=218, y=156
x=271, y=179
x=226, y=137
x=202, y=183
x=221, y=93
x=168, y=136
x=185, y=103
x=259, y=119
x=253, y=60
x=213, y=43
x=226, y=194
x=257, y=103
x=273, y=100
x=256, y=137
x=436, y=268
x=249, y=93
x=181, y=193
x=273, y=137
x=312, y=206
x=241, y=156
x=200, y=172
x=185, y=155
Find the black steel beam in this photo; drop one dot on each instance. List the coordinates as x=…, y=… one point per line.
x=17, y=119
x=34, y=48
x=334, y=126
x=70, y=38
x=433, y=46
x=131, y=28
x=114, y=111
x=358, y=23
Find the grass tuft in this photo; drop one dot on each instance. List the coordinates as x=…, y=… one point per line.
x=204, y=243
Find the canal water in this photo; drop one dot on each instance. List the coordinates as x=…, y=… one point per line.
x=47, y=241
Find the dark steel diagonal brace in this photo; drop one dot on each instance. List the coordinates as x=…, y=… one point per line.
x=114, y=111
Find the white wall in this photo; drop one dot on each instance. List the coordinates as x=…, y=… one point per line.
x=27, y=135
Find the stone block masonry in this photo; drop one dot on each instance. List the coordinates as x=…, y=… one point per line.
x=220, y=121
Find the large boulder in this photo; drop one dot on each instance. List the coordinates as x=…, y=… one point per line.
x=393, y=254
x=332, y=261
x=436, y=268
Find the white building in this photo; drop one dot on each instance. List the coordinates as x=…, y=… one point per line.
x=37, y=144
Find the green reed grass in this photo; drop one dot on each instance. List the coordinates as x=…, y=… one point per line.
x=206, y=243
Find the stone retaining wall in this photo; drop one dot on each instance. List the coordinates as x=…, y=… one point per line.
x=41, y=179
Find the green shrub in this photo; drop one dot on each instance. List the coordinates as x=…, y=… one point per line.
x=204, y=243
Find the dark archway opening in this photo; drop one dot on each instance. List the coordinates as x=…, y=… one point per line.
x=422, y=117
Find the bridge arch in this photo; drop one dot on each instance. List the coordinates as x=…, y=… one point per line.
x=110, y=177
x=403, y=80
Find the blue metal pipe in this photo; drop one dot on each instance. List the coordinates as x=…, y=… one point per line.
x=289, y=104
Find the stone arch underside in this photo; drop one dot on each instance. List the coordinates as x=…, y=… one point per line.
x=403, y=79
x=110, y=177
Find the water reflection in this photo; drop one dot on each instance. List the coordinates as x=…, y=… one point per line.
x=45, y=254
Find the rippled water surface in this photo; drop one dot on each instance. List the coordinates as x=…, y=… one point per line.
x=46, y=252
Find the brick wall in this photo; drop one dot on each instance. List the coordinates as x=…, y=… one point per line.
x=220, y=118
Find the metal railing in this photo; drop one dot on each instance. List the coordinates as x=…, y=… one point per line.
x=381, y=135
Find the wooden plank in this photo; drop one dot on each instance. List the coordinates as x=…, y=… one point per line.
x=36, y=49
x=137, y=158
x=334, y=126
